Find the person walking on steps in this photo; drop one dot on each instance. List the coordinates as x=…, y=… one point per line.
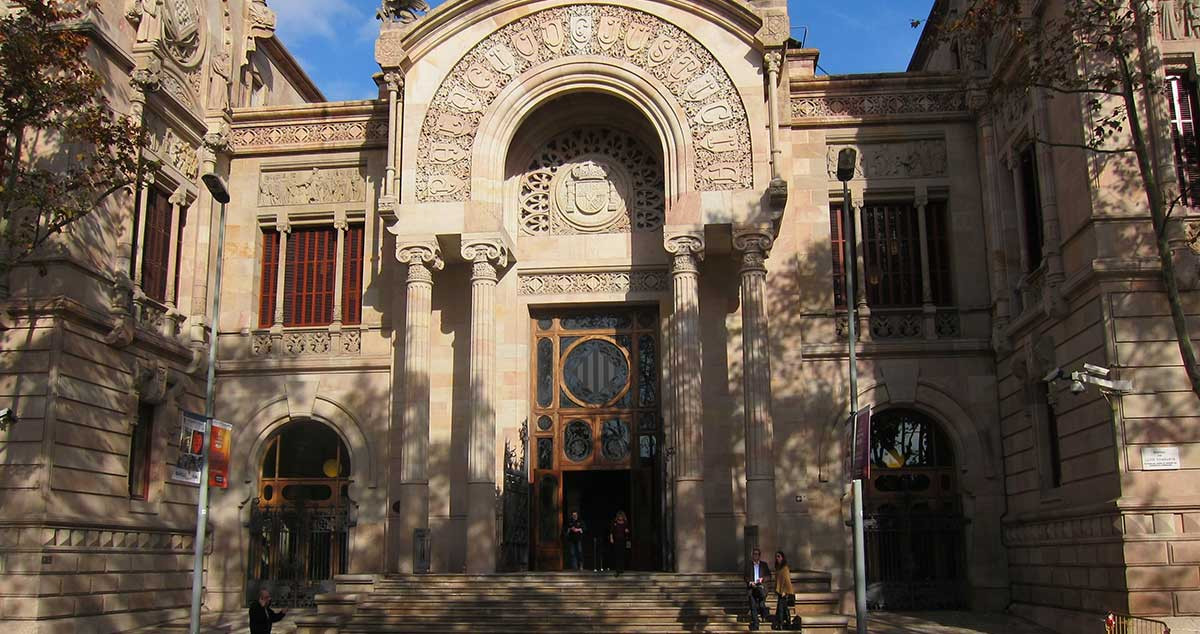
x=620, y=542
x=262, y=617
x=575, y=530
x=758, y=575
x=784, y=594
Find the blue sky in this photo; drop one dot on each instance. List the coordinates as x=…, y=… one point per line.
x=334, y=39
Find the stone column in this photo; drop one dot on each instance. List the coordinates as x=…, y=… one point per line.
x=411, y=443
x=691, y=550
x=753, y=244
x=394, y=82
x=284, y=227
x=486, y=257
x=340, y=225
x=928, y=309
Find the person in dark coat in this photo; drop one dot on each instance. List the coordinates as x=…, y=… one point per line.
x=575, y=531
x=262, y=617
x=620, y=542
x=758, y=578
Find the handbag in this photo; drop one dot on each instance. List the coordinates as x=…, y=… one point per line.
x=791, y=600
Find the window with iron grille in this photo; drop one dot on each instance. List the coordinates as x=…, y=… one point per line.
x=1181, y=99
x=891, y=254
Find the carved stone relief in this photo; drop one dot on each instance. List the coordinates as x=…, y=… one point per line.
x=1178, y=19
x=352, y=132
x=177, y=27
x=701, y=87
x=603, y=282
x=170, y=149
x=907, y=159
x=315, y=186
x=825, y=106
x=401, y=11
x=592, y=180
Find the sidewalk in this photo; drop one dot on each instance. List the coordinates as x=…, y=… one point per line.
x=949, y=622
x=225, y=624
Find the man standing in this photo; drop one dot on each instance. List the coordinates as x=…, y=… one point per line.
x=757, y=575
x=262, y=617
x=575, y=529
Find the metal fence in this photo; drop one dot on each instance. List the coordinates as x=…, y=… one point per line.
x=915, y=561
x=295, y=550
x=1124, y=624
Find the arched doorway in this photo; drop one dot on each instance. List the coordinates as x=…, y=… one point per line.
x=913, y=512
x=301, y=517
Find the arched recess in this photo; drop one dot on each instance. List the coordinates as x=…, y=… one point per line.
x=277, y=413
x=976, y=456
x=543, y=84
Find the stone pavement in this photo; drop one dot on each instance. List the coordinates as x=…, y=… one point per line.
x=949, y=622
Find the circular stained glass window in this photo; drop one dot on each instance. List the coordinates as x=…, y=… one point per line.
x=577, y=441
x=596, y=372
x=614, y=440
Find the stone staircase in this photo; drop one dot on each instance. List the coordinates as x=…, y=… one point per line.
x=535, y=603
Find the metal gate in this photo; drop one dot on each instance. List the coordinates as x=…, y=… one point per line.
x=296, y=548
x=515, y=504
x=915, y=560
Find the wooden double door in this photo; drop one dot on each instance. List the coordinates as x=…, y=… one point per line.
x=596, y=432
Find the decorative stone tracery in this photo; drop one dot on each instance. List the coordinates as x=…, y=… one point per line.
x=592, y=180
x=705, y=93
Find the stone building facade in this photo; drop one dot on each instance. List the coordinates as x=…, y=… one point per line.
x=586, y=256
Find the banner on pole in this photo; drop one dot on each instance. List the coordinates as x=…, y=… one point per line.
x=218, y=454
x=191, y=444
x=857, y=459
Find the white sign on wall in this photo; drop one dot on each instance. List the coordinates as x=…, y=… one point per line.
x=1160, y=458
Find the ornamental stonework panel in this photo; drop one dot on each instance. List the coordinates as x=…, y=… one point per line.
x=600, y=282
x=592, y=180
x=832, y=106
x=908, y=159
x=716, y=116
x=335, y=133
x=311, y=186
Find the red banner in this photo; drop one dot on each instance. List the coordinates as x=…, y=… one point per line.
x=218, y=454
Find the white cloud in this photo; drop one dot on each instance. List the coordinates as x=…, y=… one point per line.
x=300, y=20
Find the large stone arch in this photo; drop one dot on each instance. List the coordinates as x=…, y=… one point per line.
x=640, y=57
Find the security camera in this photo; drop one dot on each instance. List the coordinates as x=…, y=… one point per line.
x=8, y=418
x=1053, y=375
x=1096, y=370
x=1077, y=387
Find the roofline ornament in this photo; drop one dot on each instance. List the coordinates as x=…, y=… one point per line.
x=402, y=11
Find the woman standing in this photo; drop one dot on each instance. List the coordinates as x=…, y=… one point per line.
x=783, y=591
x=620, y=542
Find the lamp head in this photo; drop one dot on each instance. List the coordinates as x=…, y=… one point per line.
x=8, y=418
x=216, y=187
x=847, y=158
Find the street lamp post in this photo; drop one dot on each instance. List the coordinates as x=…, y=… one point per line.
x=847, y=161
x=220, y=193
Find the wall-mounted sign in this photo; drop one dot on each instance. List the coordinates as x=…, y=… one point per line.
x=1160, y=458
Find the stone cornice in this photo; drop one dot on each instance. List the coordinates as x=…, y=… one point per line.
x=891, y=97
x=348, y=125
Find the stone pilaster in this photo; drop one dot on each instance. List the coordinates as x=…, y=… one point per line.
x=687, y=249
x=487, y=256
x=394, y=82
x=411, y=442
x=752, y=246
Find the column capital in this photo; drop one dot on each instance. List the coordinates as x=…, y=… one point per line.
x=753, y=238
x=393, y=80
x=773, y=60
x=684, y=241
x=489, y=249
x=425, y=252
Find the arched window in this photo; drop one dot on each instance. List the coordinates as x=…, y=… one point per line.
x=300, y=521
x=914, y=534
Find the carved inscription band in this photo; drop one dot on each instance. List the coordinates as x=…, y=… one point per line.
x=701, y=87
